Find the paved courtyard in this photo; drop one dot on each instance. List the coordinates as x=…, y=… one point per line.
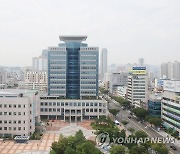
x=52, y=134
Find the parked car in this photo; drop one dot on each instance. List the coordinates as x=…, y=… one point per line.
x=129, y=117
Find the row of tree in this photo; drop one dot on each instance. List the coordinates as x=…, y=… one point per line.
x=142, y=114
x=105, y=124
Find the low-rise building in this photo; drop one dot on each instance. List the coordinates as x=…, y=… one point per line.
x=154, y=104
x=18, y=112
x=53, y=107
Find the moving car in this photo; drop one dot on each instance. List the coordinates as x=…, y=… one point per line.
x=173, y=147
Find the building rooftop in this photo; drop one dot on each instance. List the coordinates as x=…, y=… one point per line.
x=155, y=96
x=74, y=38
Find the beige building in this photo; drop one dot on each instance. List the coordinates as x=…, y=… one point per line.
x=18, y=112
x=35, y=80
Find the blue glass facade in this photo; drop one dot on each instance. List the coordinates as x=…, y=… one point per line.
x=73, y=69
x=154, y=108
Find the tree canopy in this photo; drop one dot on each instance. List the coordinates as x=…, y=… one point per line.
x=74, y=145
x=117, y=149
x=140, y=113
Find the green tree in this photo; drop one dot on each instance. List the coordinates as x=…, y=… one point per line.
x=132, y=130
x=60, y=146
x=117, y=149
x=79, y=137
x=87, y=148
x=156, y=121
x=114, y=112
x=160, y=148
x=140, y=134
x=138, y=150
x=124, y=122
x=125, y=103
x=140, y=113
x=70, y=150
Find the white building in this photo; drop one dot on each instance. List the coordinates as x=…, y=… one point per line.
x=170, y=107
x=170, y=70
x=18, y=112
x=103, y=64
x=3, y=79
x=137, y=92
x=121, y=91
x=40, y=63
x=118, y=79
x=37, y=80
x=53, y=107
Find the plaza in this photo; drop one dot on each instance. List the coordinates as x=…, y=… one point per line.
x=51, y=134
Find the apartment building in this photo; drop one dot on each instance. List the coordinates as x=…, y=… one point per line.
x=34, y=80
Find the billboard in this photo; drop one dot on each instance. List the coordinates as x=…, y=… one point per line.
x=138, y=70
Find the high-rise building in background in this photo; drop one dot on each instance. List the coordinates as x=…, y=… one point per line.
x=40, y=63
x=141, y=62
x=103, y=64
x=137, y=92
x=118, y=80
x=72, y=82
x=170, y=70
x=34, y=80
x=3, y=79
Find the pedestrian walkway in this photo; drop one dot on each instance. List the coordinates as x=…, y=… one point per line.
x=52, y=134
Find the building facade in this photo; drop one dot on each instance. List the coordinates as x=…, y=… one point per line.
x=3, y=79
x=53, y=107
x=18, y=112
x=103, y=64
x=118, y=80
x=40, y=63
x=137, y=92
x=171, y=105
x=72, y=82
x=35, y=80
x=154, y=104
x=73, y=68
x=170, y=70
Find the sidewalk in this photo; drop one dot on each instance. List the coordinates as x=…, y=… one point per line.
x=164, y=134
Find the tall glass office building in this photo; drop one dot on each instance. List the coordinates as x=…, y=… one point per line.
x=73, y=69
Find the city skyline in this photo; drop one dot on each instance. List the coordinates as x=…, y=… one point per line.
x=140, y=29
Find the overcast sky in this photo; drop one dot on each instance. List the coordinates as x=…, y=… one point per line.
x=129, y=29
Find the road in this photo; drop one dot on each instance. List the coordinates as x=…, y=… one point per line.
x=123, y=115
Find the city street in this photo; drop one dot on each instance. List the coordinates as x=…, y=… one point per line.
x=123, y=115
